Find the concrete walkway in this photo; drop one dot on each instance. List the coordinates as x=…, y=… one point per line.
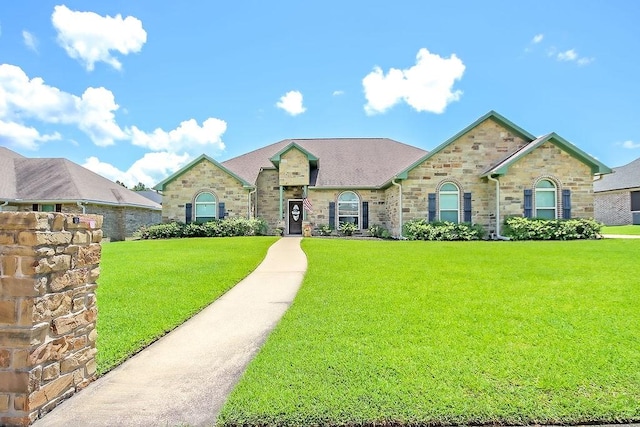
x=183, y=379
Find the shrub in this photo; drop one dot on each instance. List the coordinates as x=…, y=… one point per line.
x=229, y=227
x=379, y=232
x=347, y=228
x=421, y=229
x=520, y=228
x=324, y=230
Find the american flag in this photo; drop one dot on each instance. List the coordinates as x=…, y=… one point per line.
x=306, y=204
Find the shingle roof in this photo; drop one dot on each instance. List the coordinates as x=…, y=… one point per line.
x=40, y=180
x=342, y=162
x=627, y=176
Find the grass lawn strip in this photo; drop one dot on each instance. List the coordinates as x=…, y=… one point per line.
x=147, y=288
x=633, y=230
x=452, y=333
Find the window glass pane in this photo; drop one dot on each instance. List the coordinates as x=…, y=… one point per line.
x=205, y=197
x=47, y=208
x=635, y=200
x=546, y=213
x=449, y=187
x=449, y=201
x=351, y=219
x=545, y=183
x=348, y=196
x=451, y=216
x=205, y=209
x=347, y=208
x=545, y=199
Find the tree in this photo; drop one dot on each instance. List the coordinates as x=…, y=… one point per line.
x=140, y=187
x=121, y=183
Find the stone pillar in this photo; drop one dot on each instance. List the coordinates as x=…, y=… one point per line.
x=49, y=263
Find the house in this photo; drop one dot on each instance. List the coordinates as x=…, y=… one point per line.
x=59, y=185
x=489, y=170
x=617, y=196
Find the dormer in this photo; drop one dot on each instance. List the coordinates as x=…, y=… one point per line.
x=294, y=164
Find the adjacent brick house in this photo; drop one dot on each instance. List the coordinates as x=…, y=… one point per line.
x=617, y=196
x=59, y=185
x=489, y=170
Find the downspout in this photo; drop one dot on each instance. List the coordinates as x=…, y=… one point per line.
x=393, y=181
x=3, y=205
x=83, y=207
x=498, y=236
x=249, y=203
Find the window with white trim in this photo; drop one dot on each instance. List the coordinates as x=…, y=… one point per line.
x=206, y=205
x=546, y=200
x=449, y=202
x=348, y=208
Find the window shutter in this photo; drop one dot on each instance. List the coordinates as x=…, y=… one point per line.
x=566, y=204
x=467, y=207
x=34, y=207
x=332, y=215
x=528, y=203
x=188, y=212
x=432, y=206
x=221, y=211
x=58, y=207
x=365, y=215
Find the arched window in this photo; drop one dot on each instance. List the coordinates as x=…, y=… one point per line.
x=205, y=207
x=449, y=202
x=546, y=201
x=348, y=208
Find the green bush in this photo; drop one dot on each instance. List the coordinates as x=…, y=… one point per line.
x=519, y=228
x=379, y=232
x=421, y=229
x=324, y=230
x=229, y=227
x=347, y=228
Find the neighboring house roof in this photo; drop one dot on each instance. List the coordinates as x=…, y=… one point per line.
x=342, y=162
x=160, y=186
x=151, y=195
x=27, y=180
x=627, y=176
x=502, y=166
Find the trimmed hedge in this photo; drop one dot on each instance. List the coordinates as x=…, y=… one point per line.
x=520, y=228
x=229, y=227
x=421, y=229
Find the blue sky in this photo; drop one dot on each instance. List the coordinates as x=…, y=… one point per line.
x=133, y=90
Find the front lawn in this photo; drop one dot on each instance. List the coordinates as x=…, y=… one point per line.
x=146, y=288
x=621, y=229
x=439, y=333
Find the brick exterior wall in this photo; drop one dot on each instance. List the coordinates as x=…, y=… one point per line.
x=614, y=207
x=204, y=176
x=119, y=222
x=49, y=265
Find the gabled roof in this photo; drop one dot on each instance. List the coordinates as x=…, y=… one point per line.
x=502, y=166
x=346, y=162
x=160, y=186
x=27, y=180
x=501, y=120
x=275, y=159
x=623, y=177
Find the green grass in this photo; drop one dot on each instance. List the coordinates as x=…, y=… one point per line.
x=147, y=288
x=621, y=229
x=422, y=333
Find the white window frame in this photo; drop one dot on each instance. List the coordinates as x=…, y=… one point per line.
x=196, y=204
x=449, y=193
x=554, y=190
x=340, y=215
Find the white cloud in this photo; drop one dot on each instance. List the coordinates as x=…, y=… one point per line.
x=291, y=102
x=30, y=40
x=188, y=136
x=572, y=56
x=537, y=38
x=338, y=92
x=92, y=38
x=24, y=136
x=426, y=86
x=150, y=169
x=631, y=145
x=24, y=99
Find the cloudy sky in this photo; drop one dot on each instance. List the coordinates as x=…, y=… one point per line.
x=133, y=90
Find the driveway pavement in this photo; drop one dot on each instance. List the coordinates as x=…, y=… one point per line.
x=184, y=378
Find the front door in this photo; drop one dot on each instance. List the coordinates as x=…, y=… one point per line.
x=295, y=217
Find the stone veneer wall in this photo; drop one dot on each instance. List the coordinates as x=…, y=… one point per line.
x=294, y=168
x=49, y=265
x=204, y=176
x=614, y=207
